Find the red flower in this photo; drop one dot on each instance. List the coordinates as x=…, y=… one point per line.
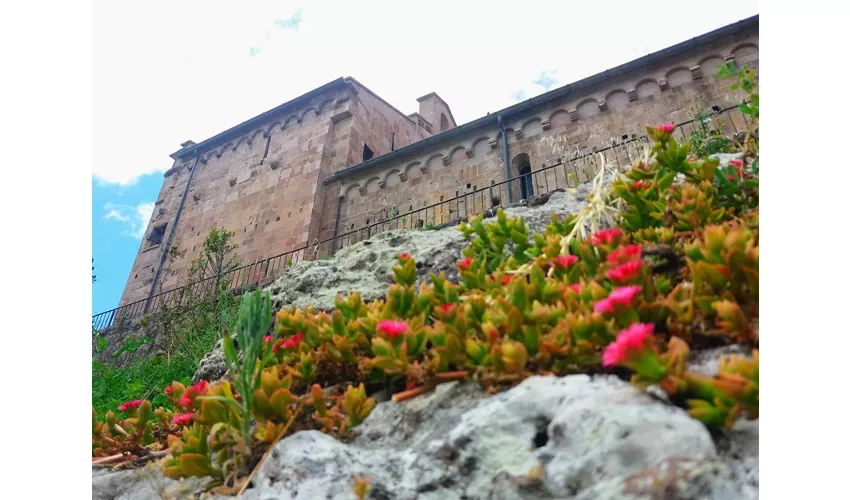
x=182, y=418
x=564, y=261
x=632, y=338
x=447, y=308
x=666, y=128
x=392, y=329
x=292, y=342
x=268, y=338
x=465, y=263
x=576, y=287
x=195, y=390
x=507, y=279
x=637, y=186
x=626, y=271
x=625, y=254
x=730, y=177
x=404, y=256
x=735, y=163
x=130, y=405
x=169, y=390
x=606, y=236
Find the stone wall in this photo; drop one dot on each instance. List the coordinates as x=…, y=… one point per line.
x=267, y=185
x=622, y=106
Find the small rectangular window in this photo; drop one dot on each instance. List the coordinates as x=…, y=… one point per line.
x=157, y=234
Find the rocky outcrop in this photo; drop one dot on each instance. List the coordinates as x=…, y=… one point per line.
x=212, y=366
x=549, y=437
x=144, y=484
x=367, y=266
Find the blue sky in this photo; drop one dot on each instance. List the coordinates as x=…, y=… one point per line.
x=213, y=64
x=120, y=216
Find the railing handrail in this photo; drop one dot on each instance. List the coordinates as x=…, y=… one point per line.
x=368, y=228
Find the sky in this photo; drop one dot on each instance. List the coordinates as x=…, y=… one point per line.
x=167, y=72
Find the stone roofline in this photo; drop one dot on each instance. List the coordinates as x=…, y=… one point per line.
x=257, y=121
x=556, y=94
x=190, y=148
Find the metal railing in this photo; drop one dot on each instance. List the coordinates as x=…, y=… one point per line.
x=561, y=174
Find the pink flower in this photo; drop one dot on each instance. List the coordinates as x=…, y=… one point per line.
x=465, y=263
x=606, y=236
x=632, y=338
x=613, y=354
x=576, y=287
x=628, y=253
x=169, y=390
x=182, y=418
x=625, y=294
x=404, y=256
x=131, y=405
x=268, y=338
x=392, y=329
x=626, y=271
x=564, y=261
x=622, y=296
x=666, y=128
x=735, y=163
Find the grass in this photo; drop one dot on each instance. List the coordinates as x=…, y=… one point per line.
x=194, y=333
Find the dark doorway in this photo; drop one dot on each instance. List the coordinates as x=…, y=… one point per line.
x=526, y=185
x=521, y=165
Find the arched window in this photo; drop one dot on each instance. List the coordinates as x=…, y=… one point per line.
x=444, y=122
x=522, y=168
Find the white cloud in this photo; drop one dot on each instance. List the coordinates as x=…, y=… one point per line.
x=197, y=76
x=114, y=213
x=135, y=219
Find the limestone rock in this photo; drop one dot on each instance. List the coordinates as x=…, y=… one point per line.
x=455, y=443
x=707, y=362
x=726, y=157
x=143, y=484
x=212, y=366
x=367, y=266
x=592, y=437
